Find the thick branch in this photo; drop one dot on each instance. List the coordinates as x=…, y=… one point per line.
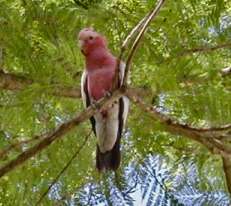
x=12, y=81
x=59, y=132
x=227, y=170
x=182, y=129
x=171, y=126
x=16, y=82
x=4, y=152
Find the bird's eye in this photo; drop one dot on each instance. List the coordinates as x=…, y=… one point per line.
x=91, y=37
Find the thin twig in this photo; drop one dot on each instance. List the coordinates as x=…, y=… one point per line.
x=199, y=49
x=64, y=168
x=79, y=3
x=125, y=43
x=204, y=49
x=134, y=47
x=133, y=31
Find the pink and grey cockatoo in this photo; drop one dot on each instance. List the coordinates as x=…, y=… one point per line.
x=97, y=81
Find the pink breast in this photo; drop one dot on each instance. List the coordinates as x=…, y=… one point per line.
x=99, y=82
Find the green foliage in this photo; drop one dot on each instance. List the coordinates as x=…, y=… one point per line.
x=39, y=42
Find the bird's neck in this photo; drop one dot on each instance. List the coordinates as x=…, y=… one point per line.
x=99, y=58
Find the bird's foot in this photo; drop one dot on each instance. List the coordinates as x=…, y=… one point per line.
x=95, y=105
x=108, y=94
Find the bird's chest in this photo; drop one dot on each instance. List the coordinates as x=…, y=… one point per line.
x=100, y=82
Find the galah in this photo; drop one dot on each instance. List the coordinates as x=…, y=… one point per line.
x=98, y=80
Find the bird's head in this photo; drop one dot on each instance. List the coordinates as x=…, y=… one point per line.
x=90, y=39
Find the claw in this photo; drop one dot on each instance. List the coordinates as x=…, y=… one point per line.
x=108, y=94
x=94, y=104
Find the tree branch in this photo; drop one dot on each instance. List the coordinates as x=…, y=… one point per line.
x=60, y=131
x=80, y=4
x=5, y=151
x=122, y=50
x=12, y=81
x=133, y=32
x=200, y=49
x=171, y=126
x=204, y=49
x=227, y=170
x=174, y=127
x=16, y=82
x=69, y=92
x=145, y=23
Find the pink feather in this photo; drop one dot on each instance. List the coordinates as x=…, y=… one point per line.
x=100, y=63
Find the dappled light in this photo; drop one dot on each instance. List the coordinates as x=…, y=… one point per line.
x=175, y=147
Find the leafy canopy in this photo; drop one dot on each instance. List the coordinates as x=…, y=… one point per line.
x=38, y=42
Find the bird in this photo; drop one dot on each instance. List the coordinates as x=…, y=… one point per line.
x=98, y=80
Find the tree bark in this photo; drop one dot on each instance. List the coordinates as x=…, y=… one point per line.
x=227, y=170
x=16, y=83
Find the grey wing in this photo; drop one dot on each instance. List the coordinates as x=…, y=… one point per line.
x=83, y=85
x=86, y=98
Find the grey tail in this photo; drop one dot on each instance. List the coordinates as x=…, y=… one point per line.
x=109, y=160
